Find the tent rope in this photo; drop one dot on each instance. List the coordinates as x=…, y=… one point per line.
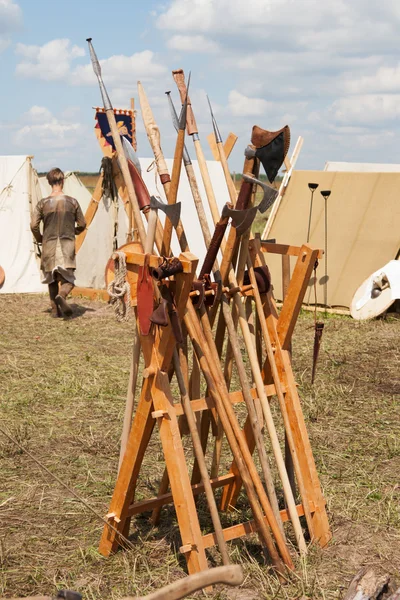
x=119, y=289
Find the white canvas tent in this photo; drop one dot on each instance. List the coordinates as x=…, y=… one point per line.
x=363, y=227
x=20, y=191
x=361, y=167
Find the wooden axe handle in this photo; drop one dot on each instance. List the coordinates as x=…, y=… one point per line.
x=213, y=247
x=191, y=124
x=229, y=575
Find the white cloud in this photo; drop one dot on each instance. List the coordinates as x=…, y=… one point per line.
x=121, y=70
x=243, y=106
x=43, y=130
x=10, y=16
x=385, y=79
x=367, y=109
x=193, y=43
x=50, y=62
x=311, y=24
x=10, y=21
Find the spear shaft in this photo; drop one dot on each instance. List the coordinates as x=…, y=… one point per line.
x=118, y=145
x=176, y=173
x=153, y=134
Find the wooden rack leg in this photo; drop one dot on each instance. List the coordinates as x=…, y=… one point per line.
x=124, y=491
x=178, y=475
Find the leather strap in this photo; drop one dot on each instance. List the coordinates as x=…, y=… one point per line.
x=263, y=278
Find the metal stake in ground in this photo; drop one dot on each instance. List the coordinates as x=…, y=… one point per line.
x=325, y=194
x=312, y=187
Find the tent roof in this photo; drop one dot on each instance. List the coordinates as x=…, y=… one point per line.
x=361, y=167
x=363, y=227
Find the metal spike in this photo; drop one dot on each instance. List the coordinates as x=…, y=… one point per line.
x=97, y=70
x=214, y=122
x=175, y=120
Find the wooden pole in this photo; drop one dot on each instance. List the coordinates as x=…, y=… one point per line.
x=206, y=362
x=130, y=399
x=198, y=451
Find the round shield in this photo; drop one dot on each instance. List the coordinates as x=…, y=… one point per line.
x=132, y=270
x=2, y=276
x=377, y=293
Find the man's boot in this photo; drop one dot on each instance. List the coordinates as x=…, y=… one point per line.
x=61, y=299
x=53, y=291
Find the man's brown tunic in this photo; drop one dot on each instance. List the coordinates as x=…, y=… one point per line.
x=59, y=215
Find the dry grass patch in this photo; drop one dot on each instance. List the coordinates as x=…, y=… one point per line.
x=63, y=387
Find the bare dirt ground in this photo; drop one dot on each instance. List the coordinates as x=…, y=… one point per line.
x=62, y=395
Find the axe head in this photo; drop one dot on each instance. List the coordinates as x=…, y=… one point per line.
x=172, y=211
x=270, y=193
x=241, y=219
x=250, y=152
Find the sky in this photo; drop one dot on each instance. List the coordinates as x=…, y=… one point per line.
x=329, y=69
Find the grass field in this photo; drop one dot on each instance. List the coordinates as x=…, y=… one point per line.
x=63, y=386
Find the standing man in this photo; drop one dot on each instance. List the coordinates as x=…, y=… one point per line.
x=59, y=214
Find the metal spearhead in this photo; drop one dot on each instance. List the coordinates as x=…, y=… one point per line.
x=182, y=116
x=97, y=71
x=175, y=121
x=214, y=122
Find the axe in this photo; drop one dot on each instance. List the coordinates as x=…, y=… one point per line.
x=145, y=282
x=143, y=197
x=271, y=148
x=242, y=219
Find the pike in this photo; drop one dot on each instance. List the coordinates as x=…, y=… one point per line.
x=118, y=144
x=176, y=173
x=231, y=186
x=190, y=172
x=227, y=271
x=193, y=131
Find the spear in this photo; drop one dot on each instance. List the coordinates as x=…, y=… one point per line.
x=117, y=143
x=191, y=176
x=176, y=173
x=231, y=186
x=227, y=269
x=193, y=131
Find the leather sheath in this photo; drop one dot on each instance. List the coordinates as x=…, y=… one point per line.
x=160, y=316
x=214, y=246
x=142, y=193
x=145, y=301
x=263, y=278
x=272, y=148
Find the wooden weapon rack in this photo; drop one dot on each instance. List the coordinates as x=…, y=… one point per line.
x=288, y=487
x=157, y=405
